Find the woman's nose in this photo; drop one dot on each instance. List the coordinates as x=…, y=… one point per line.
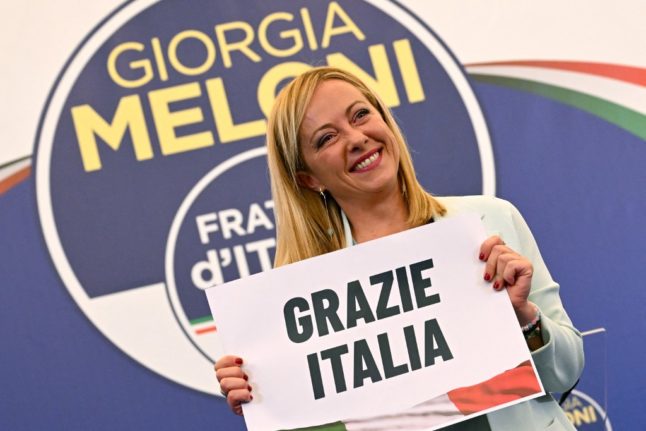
x=356, y=140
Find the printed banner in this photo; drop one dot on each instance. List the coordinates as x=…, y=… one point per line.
x=337, y=337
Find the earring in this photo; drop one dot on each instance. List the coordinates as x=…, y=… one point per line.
x=330, y=231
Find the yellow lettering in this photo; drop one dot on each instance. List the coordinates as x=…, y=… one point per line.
x=227, y=47
x=334, y=10
x=292, y=34
x=159, y=59
x=197, y=35
x=593, y=413
x=227, y=130
x=409, y=73
x=88, y=124
x=143, y=64
x=575, y=401
x=383, y=83
x=270, y=80
x=166, y=121
x=581, y=416
x=309, y=29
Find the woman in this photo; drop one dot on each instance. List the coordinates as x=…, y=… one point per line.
x=341, y=174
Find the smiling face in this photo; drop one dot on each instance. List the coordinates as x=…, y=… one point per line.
x=348, y=148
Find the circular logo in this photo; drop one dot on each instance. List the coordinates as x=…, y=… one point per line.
x=151, y=178
x=585, y=413
x=236, y=234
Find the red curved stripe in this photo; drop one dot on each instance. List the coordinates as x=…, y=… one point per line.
x=14, y=179
x=206, y=330
x=631, y=74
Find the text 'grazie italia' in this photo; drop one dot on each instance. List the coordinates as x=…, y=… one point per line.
x=400, y=290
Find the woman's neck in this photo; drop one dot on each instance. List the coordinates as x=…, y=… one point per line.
x=379, y=218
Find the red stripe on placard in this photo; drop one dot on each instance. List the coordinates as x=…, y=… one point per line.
x=503, y=388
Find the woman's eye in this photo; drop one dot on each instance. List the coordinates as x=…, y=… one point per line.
x=361, y=113
x=323, y=140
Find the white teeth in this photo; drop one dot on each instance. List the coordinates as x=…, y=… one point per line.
x=368, y=161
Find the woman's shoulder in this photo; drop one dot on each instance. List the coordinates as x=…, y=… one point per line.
x=500, y=217
x=476, y=203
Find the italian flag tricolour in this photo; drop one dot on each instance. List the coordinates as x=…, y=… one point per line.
x=455, y=406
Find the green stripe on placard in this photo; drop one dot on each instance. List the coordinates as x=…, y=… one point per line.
x=627, y=119
x=201, y=320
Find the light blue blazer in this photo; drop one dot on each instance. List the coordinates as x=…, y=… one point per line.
x=560, y=361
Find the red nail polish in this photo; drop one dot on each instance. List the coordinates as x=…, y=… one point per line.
x=487, y=277
x=481, y=256
x=496, y=285
x=250, y=397
x=246, y=377
x=238, y=361
x=249, y=388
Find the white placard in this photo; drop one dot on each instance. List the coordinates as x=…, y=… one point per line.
x=340, y=336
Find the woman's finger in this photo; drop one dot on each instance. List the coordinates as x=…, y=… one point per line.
x=228, y=361
x=516, y=268
x=488, y=244
x=223, y=373
x=238, y=396
x=238, y=410
x=518, y=273
x=492, y=261
x=229, y=384
x=233, y=382
x=500, y=280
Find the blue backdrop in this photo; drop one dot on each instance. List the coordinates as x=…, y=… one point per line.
x=578, y=180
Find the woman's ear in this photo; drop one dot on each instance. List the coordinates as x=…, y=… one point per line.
x=309, y=181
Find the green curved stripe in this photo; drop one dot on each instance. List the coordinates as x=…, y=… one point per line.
x=627, y=119
x=201, y=320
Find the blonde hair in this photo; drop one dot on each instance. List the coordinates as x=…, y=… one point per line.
x=307, y=225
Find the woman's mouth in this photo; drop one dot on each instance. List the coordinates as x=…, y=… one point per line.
x=366, y=163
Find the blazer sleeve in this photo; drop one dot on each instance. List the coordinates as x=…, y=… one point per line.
x=560, y=361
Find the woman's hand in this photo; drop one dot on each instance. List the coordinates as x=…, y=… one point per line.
x=233, y=382
x=507, y=269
